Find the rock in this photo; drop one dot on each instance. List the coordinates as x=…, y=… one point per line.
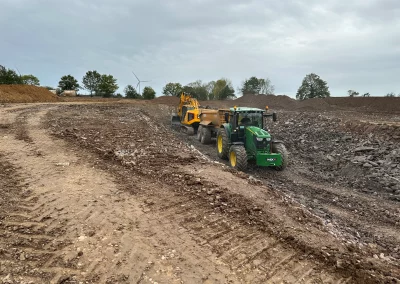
x=339, y=263
x=367, y=165
x=9, y=279
x=22, y=257
x=330, y=158
x=373, y=163
x=347, y=138
x=359, y=159
x=376, y=257
x=364, y=149
x=62, y=164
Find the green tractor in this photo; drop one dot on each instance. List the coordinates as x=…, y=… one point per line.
x=244, y=139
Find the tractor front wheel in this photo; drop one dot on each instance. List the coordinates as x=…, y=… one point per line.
x=222, y=144
x=281, y=149
x=238, y=157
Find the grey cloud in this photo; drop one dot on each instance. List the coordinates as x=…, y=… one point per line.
x=350, y=44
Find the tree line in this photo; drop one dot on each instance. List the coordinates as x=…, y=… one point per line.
x=221, y=89
x=105, y=85
x=10, y=77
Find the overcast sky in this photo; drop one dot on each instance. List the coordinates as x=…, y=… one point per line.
x=350, y=44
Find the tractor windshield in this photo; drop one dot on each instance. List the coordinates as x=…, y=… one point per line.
x=251, y=119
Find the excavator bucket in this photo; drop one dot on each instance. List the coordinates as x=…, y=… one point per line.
x=175, y=120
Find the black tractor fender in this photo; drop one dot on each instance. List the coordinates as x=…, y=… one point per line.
x=277, y=142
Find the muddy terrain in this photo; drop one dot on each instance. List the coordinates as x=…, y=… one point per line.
x=108, y=193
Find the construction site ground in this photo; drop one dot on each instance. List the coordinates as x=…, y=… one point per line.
x=102, y=192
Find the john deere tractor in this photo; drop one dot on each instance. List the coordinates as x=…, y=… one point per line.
x=244, y=139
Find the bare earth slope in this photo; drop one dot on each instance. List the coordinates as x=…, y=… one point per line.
x=25, y=94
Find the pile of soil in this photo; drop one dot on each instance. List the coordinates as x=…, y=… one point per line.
x=372, y=104
x=260, y=101
x=166, y=100
x=331, y=149
x=25, y=94
x=282, y=102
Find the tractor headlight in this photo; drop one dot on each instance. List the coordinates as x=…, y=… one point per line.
x=259, y=139
x=268, y=139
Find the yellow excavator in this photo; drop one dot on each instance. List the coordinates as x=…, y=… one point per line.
x=187, y=117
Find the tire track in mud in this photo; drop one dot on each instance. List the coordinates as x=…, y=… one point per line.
x=77, y=226
x=361, y=217
x=255, y=255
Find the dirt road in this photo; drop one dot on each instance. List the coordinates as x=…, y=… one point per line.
x=107, y=194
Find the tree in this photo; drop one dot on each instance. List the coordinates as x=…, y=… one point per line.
x=312, y=87
x=209, y=88
x=148, y=93
x=390, y=95
x=9, y=76
x=366, y=95
x=91, y=81
x=67, y=83
x=172, y=89
x=131, y=93
x=353, y=93
x=30, y=80
x=108, y=86
x=223, y=90
x=266, y=86
x=199, y=90
x=251, y=86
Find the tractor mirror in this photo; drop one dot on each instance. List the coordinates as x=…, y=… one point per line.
x=226, y=116
x=274, y=117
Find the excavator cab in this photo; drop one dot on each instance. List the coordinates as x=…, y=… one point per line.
x=187, y=117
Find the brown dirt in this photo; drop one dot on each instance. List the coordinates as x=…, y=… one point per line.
x=166, y=100
x=106, y=193
x=281, y=102
x=25, y=94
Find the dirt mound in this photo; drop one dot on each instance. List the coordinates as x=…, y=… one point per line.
x=25, y=94
x=373, y=104
x=260, y=101
x=166, y=100
x=312, y=104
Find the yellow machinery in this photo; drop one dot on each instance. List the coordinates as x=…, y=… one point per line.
x=187, y=117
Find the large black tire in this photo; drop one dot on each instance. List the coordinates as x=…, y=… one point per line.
x=199, y=132
x=238, y=157
x=222, y=144
x=206, y=135
x=281, y=149
x=189, y=130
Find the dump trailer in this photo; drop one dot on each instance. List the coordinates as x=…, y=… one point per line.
x=187, y=116
x=210, y=121
x=244, y=138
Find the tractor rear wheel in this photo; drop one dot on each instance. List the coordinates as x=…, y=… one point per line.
x=222, y=144
x=281, y=149
x=206, y=135
x=199, y=132
x=238, y=157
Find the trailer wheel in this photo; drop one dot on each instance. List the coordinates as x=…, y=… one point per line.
x=238, y=157
x=222, y=144
x=281, y=149
x=206, y=135
x=199, y=133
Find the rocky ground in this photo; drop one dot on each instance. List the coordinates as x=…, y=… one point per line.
x=111, y=195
